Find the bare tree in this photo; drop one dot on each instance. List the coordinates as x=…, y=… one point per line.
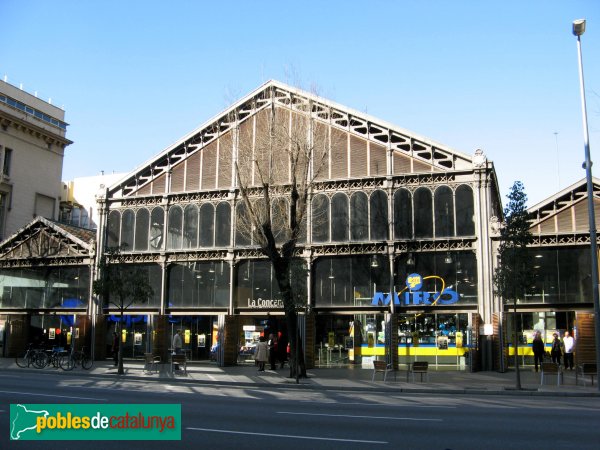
x=281, y=153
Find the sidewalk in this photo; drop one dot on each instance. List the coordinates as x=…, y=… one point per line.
x=442, y=381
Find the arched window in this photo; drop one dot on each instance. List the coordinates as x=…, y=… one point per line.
x=465, y=212
x=243, y=228
x=423, y=213
x=320, y=218
x=190, y=226
x=207, y=225
x=359, y=217
x=114, y=229
x=379, y=215
x=403, y=216
x=223, y=225
x=444, y=212
x=339, y=218
x=142, y=226
x=127, y=226
x=157, y=223
x=175, y=230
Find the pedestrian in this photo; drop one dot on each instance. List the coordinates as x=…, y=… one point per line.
x=261, y=355
x=177, y=343
x=555, y=352
x=538, y=350
x=115, y=348
x=568, y=346
x=272, y=344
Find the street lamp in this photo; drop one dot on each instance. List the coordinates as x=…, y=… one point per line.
x=578, y=30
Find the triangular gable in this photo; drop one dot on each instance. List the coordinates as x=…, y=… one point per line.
x=202, y=159
x=43, y=238
x=566, y=211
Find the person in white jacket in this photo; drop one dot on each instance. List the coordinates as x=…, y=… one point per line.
x=568, y=344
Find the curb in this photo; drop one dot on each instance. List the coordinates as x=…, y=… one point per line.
x=291, y=384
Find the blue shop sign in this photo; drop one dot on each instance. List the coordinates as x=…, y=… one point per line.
x=412, y=295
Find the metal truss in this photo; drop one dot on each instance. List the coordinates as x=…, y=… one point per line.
x=336, y=116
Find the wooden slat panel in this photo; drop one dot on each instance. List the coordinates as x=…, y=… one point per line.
x=158, y=185
x=581, y=217
x=358, y=157
x=209, y=166
x=339, y=154
x=420, y=167
x=145, y=190
x=547, y=226
x=402, y=164
x=244, y=150
x=281, y=158
x=321, y=139
x=225, y=158
x=178, y=177
x=564, y=221
x=378, y=160
x=192, y=178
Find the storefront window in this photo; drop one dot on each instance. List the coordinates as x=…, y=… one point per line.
x=562, y=276
x=152, y=274
x=199, y=285
x=440, y=270
x=257, y=287
x=349, y=281
x=52, y=287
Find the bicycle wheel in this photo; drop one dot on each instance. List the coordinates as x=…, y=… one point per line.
x=86, y=362
x=66, y=362
x=40, y=360
x=22, y=361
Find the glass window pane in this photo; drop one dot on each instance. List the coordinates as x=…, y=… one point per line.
x=207, y=225
x=113, y=229
x=379, y=215
x=403, y=218
x=320, y=218
x=223, y=224
x=444, y=212
x=243, y=226
x=127, y=224
x=423, y=213
x=142, y=227
x=359, y=213
x=339, y=218
x=190, y=227
x=157, y=220
x=175, y=230
x=465, y=211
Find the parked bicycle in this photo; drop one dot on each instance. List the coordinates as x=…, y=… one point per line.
x=52, y=357
x=74, y=359
x=32, y=357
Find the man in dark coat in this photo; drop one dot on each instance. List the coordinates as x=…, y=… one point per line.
x=538, y=350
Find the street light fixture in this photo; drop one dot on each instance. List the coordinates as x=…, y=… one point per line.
x=578, y=30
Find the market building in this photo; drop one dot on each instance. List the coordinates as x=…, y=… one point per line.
x=391, y=212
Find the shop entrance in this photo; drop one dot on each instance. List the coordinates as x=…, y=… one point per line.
x=199, y=335
x=252, y=328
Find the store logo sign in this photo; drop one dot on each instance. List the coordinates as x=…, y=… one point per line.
x=412, y=295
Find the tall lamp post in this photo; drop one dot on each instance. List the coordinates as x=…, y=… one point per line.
x=578, y=30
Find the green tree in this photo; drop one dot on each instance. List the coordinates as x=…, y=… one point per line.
x=121, y=285
x=513, y=276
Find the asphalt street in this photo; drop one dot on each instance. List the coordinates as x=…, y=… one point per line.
x=256, y=417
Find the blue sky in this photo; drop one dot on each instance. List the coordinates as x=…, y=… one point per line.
x=135, y=76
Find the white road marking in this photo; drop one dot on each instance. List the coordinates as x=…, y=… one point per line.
x=315, y=438
x=51, y=395
x=392, y=405
x=359, y=417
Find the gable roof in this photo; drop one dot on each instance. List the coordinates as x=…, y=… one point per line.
x=424, y=150
x=566, y=211
x=44, y=238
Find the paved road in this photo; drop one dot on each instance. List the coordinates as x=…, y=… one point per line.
x=256, y=417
